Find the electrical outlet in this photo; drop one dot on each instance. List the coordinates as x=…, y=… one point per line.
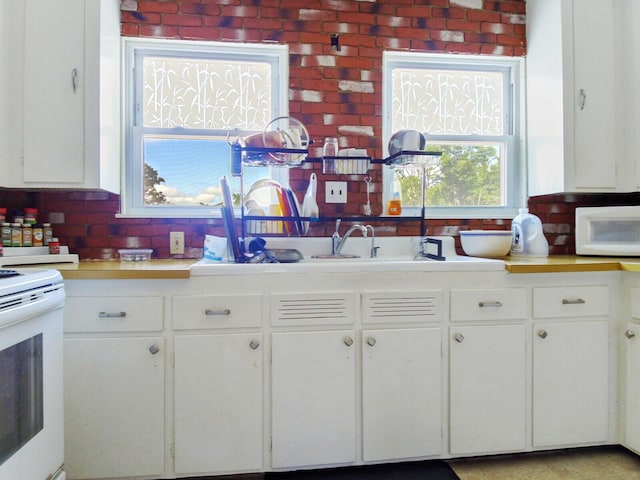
x=176, y=243
x=335, y=192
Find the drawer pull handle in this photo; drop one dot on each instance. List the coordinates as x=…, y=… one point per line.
x=458, y=337
x=629, y=334
x=254, y=344
x=371, y=341
x=112, y=314
x=490, y=304
x=222, y=312
x=154, y=349
x=574, y=301
x=542, y=334
x=348, y=341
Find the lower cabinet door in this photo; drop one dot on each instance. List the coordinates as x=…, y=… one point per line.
x=570, y=383
x=401, y=393
x=487, y=389
x=632, y=420
x=218, y=403
x=313, y=398
x=114, y=407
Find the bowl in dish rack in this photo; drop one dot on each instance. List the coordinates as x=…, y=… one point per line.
x=486, y=243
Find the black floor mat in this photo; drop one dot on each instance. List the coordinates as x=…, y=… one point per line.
x=427, y=470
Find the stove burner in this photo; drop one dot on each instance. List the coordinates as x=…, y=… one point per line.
x=4, y=273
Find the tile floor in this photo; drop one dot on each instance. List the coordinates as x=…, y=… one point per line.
x=606, y=463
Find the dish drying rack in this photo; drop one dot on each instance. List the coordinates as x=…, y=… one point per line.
x=340, y=165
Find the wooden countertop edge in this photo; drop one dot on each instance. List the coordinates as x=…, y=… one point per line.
x=563, y=268
x=125, y=274
x=180, y=269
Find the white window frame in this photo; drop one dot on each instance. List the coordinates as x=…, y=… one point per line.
x=132, y=201
x=515, y=179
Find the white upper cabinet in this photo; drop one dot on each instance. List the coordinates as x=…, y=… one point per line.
x=64, y=94
x=574, y=139
x=629, y=21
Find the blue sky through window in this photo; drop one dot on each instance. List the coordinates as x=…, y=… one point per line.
x=192, y=168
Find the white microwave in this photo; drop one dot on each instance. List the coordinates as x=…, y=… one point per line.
x=608, y=231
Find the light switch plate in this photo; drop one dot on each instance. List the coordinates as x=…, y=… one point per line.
x=176, y=243
x=335, y=192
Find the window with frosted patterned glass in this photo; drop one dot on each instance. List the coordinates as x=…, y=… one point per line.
x=185, y=102
x=467, y=108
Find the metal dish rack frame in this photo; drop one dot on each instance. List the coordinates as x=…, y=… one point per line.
x=242, y=157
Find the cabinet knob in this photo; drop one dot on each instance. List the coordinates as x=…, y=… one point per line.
x=254, y=344
x=542, y=334
x=458, y=337
x=348, y=341
x=112, y=314
x=154, y=349
x=371, y=341
x=629, y=334
x=222, y=312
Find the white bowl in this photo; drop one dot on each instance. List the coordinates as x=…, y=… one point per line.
x=486, y=243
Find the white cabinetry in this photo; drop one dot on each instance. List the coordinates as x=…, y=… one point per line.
x=572, y=119
x=570, y=365
x=313, y=415
x=401, y=376
x=69, y=136
x=488, y=380
x=313, y=378
x=630, y=427
x=218, y=388
x=632, y=387
x=629, y=22
x=114, y=387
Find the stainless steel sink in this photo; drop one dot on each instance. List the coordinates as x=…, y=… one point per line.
x=334, y=256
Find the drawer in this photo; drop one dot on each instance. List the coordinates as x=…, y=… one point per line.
x=216, y=311
x=571, y=301
x=489, y=304
x=327, y=308
x=385, y=307
x=113, y=314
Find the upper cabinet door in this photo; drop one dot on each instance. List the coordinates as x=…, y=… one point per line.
x=62, y=75
x=573, y=132
x=595, y=94
x=54, y=88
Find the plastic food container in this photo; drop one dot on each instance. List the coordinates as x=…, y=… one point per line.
x=135, y=255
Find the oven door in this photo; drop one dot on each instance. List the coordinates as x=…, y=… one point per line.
x=31, y=410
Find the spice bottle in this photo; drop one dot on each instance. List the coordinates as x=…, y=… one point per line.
x=47, y=233
x=3, y=215
x=54, y=246
x=27, y=234
x=16, y=234
x=30, y=215
x=6, y=234
x=38, y=236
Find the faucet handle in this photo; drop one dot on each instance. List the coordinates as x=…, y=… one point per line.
x=338, y=221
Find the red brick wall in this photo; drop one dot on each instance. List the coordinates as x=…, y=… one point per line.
x=333, y=93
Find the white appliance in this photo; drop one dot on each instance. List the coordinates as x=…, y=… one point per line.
x=31, y=395
x=608, y=231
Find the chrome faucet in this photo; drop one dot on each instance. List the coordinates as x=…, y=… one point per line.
x=337, y=243
x=374, y=249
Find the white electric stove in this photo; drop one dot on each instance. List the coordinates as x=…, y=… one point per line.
x=31, y=396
